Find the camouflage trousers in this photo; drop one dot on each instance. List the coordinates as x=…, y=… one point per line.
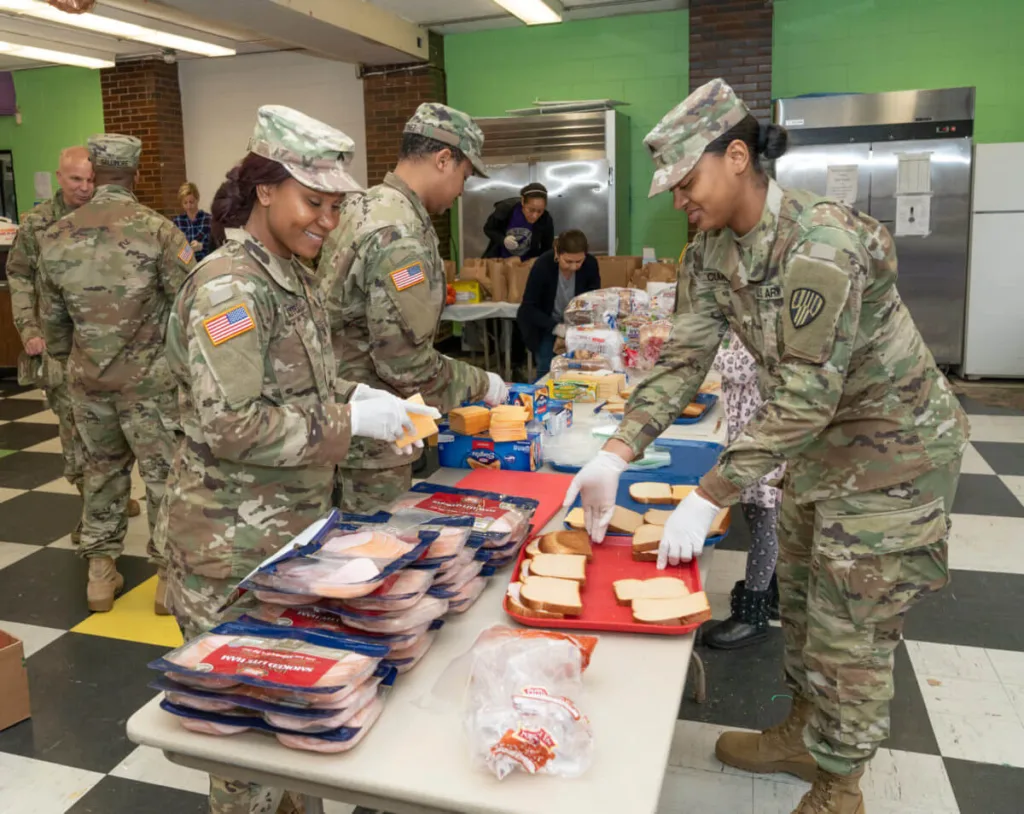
x=194, y=601
x=849, y=570
x=116, y=431
x=365, y=491
x=59, y=399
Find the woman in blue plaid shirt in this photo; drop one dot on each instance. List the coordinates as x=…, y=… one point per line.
x=194, y=223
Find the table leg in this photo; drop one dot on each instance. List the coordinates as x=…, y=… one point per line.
x=312, y=805
x=487, y=345
x=506, y=340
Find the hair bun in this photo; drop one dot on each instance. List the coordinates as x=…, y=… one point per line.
x=772, y=140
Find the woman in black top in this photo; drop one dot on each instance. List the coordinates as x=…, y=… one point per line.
x=556, y=277
x=521, y=227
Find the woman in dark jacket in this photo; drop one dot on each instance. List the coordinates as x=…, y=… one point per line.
x=556, y=277
x=521, y=227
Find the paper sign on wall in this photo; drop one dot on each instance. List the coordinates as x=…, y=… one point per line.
x=914, y=173
x=841, y=183
x=913, y=215
x=43, y=183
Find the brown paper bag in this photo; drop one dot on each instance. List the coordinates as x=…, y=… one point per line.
x=476, y=268
x=518, y=274
x=616, y=270
x=499, y=281
x=449, y=271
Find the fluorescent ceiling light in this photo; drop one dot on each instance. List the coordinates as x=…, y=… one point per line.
x=114, y=28
x=48, y=55
x=534, y=12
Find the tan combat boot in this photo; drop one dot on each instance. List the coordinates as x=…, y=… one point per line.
x=134, y=509
x=160, y=601
x=104, y=584
x=779, y=749
x=833, y=794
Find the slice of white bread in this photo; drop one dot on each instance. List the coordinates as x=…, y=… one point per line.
x=625, y=521
x=651, y=492
x=575, y=518
x=552, y=595
x=533, y=548
x=524, y=569
x=645, y=556
x=657, y=517
x=679, y=492
x=686, y=610
x=562, y=566
x=628, y=590
x=516, y=606
x=647, y=538
x=565, y=542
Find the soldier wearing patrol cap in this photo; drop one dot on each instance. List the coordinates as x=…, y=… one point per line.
x=250, y=345
x=855, y=404
x=109, y=272
x=384, y=285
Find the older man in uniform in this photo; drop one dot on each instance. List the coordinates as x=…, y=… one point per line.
x=383, y=281
x=110, y=271
x=75, y=182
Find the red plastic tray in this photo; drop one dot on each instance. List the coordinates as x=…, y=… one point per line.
x=613, y=560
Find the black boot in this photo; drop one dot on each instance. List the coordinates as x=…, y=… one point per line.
x=773, y=599
x=748, y=623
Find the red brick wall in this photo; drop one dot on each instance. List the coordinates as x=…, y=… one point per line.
x=733, y=39
x=142, y=99
x=391, y=94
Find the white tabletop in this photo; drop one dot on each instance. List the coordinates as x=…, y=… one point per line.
x=415, y=759
x=468, y=312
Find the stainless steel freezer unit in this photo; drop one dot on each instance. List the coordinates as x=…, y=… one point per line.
x=867, y=136
x=582, y=159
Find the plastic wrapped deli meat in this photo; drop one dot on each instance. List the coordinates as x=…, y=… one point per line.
x=521, y=711
x=592, y=342
x=451, y=536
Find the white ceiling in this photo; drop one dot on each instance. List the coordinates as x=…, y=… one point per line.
x=458, y=16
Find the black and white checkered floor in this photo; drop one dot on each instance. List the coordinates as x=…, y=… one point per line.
x=957, y=740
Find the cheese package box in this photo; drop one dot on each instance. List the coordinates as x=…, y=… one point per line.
x=480, y=452
x=557, y=416
x=534, y=397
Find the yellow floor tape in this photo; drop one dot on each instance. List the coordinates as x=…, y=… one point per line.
x=133, y=620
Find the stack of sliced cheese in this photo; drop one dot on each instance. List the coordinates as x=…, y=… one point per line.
x=508, y=423
x=554, y=570
x=469, y=420
x=662, y=601
x=425, y=425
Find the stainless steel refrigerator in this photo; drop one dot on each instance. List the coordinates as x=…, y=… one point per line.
x=583, y=160
x=905, y=158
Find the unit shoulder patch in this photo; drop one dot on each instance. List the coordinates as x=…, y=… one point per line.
x=804, y=306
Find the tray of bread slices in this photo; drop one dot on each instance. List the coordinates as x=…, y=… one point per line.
x=564, y=582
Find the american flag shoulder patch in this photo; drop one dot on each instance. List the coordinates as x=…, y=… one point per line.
x=229, y=324
x=407, y=277
x=186, y=255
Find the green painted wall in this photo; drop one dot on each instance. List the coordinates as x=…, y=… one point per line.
x=878, y=45
x=60, y=107
x=642, y=59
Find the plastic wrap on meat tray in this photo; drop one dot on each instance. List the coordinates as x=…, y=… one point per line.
x=405, y=659
x=452, y=536
x=238, y=653
x=498, y=519
x=521, y=709
x=425, y=611
x=596, y=342
x=398, y=592
x=339, y=563
x=449, y=584
x=363, y=696
x=467, y=595
x=652, y=338
x=361, y=725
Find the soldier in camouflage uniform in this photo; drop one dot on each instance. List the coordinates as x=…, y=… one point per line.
x=855, y=404
x=75, y=179
x=109, y=272
x=383, y=280
x=250, y=345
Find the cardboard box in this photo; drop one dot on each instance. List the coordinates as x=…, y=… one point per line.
x=616, y=270
x=482, y=452
x=569, y=389
x=558, y=417
x=534, y=397
x=14, y=702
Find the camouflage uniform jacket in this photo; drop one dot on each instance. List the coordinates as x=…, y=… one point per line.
x=853, y=398
x=263, y=431
x=384, y=285
x=110, y=271
x=23, y=265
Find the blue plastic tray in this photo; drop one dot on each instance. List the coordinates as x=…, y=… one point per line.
x=708, y=400
x=688, y=458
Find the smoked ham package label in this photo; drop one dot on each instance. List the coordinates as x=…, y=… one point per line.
x=236, y=653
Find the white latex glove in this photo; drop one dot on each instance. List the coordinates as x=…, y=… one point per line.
x=559, y=330
x=598, y=484
x=497, y=392
x=511, y=243
x=383, y=419
x=686, y=530
x=364, y=392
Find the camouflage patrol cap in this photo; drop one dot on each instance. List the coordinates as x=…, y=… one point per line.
x=451, y=127
x=678, y=141
x=315, y=153
x=115, y=151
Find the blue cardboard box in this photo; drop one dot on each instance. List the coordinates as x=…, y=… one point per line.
x=481, y=452
x=532, y=396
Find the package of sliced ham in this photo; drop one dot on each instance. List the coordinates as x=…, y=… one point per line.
x=497, y=519
x=398, y=592
x=467, y=595
x=405, y=659
x=333, y=743
x=340, y=562
x=452, y=535
x=448, y=585
x=237, y=653
x=423, y=612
